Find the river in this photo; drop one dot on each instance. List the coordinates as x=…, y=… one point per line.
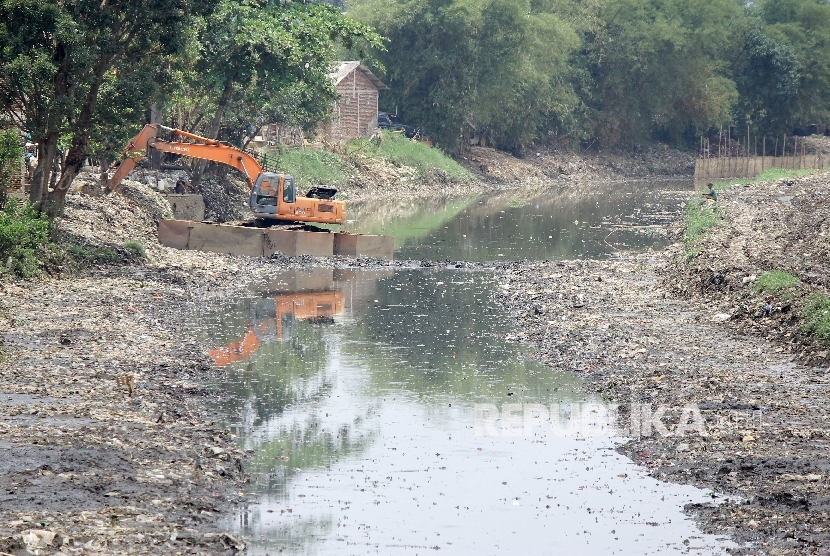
x=388, y=411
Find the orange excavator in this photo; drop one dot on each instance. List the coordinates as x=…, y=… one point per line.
x=273, y=195
x=273, y=319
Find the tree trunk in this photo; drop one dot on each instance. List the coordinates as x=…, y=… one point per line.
x=47, y=153
x=103, y=167
x=78, y=151
x=200, y=165
x=72, y=166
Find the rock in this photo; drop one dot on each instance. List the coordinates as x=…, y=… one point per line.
x=38, y=538
x=229, y=541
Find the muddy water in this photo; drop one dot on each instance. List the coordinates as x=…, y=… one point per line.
x=389, y=412
x=591, y=222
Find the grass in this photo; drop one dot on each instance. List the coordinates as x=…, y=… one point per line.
x=401, y=151
x=701, y=217
x=89, y=254
x=136, y=247
x=816, y=315
x=309, y=167
x=770, y=174
x=775, y=282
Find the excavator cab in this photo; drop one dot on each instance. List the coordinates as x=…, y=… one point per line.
x=273, y=195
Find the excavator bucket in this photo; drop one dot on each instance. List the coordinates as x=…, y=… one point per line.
x=133, y=153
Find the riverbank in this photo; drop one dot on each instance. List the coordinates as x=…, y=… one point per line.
x=764, y=443
x=391, y=168
x=760, y=259
x=107, y=439
x=151, y=472
x=685, y=330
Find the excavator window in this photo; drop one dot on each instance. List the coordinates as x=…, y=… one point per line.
x=266, y=189
x=288, y=193
x=267, y=194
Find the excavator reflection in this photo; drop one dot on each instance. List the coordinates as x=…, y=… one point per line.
x=309, y=295
x=272, y=319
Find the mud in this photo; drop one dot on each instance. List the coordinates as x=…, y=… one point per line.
x=82, y=457
x=776, y=225
x=764, y=443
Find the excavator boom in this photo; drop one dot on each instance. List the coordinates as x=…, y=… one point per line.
x=207, y=149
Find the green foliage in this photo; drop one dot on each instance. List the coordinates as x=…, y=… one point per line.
x=770, y=174
x=655, y=69
x=804, y=27
x=816, y=315
x=497, y=67
x=775, y=282
x=780, y=173
x=91, y=254
x=401, y=151
x=309, y=167
x=11, y=153
x=253, y=63
x=24, y=233
x=766, y=73
x=701, y=216
x=58, y=59
x=136, y=247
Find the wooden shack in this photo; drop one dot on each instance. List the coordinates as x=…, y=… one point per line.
x=356, y=108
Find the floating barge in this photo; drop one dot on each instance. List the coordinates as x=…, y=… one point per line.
x=264, y=242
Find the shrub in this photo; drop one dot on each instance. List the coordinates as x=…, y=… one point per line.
x=700, y=218
x=24, y=234
x=136, y=247
x=816, y=315
x=89, y=254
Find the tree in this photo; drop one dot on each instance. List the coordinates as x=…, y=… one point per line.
x=498, y=67
x=657, y=69
x=57, y=60
x=11, y=153
x=803, y=28
x=766, y=72
x=266, y=62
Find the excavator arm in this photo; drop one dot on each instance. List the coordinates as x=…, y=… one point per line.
x=204, y=149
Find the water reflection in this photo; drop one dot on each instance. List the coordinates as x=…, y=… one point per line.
x=369, y=402
x=593, y=221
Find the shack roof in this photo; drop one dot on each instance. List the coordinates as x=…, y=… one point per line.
x=345, y=68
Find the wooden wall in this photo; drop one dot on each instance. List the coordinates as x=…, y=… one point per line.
x=355, y=112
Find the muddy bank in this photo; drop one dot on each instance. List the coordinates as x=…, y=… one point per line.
x=107, y=442
x=550, y=165
x=764, y=436
x=82, y=456
x=781, y=225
